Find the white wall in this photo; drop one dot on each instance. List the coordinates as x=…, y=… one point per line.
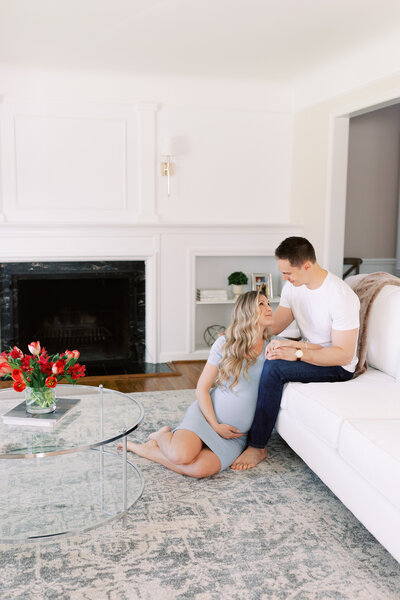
x=361, y=69
x=318, y=141
x=89, y=148
x=230, y=166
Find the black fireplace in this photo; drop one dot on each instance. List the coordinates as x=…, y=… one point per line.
x=95, y=307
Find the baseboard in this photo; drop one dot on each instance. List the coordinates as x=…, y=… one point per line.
x=372, y=265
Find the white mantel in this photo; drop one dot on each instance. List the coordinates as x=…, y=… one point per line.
x=169, y=252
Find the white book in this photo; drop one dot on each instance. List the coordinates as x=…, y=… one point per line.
x=213, y=299
x=212, y=293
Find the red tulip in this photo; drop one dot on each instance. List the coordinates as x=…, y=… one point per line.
x=51, y=382
x=19, y=386
x=17, y=375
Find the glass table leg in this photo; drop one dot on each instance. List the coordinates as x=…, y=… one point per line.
x=124, y=486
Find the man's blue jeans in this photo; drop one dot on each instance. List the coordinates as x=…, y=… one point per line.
x=274, y=375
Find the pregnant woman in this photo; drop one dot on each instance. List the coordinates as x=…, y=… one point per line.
x=213, y=432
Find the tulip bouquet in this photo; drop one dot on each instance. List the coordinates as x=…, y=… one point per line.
x=39, y=372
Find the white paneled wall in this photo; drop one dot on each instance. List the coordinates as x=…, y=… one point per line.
x=69, y=160
x=100, y=162
x=231, y=166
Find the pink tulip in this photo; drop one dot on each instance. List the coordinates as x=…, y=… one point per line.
x=58, y=367
x=34, y=348
x=76, y=354
x=4, y=367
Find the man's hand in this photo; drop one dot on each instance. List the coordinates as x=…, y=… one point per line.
x=227, y=431
x=274, y=345
x=339, y=354
x=282, y=353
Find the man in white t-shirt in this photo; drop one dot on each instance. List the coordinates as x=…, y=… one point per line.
x=327, y=313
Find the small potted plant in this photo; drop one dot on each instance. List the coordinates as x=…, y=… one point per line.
x=237, y=280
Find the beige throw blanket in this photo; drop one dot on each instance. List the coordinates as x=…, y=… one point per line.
x=367, y=288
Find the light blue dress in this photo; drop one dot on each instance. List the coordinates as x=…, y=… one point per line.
x=234, y=407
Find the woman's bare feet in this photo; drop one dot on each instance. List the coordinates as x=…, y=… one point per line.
x=249, y=458
x=156, y=434
x=146, y=450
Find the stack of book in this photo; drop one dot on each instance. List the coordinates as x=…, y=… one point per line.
x=212, y=295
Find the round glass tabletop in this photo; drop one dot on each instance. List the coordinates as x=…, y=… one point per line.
x=100, y=416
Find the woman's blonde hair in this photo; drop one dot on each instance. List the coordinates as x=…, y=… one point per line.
x=241, y=337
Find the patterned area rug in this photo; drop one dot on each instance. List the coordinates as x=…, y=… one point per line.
x=272, y=533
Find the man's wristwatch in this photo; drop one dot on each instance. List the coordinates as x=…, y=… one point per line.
x=299, y=353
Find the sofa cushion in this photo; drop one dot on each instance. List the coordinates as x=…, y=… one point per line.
x=372, y=448
x=324, y=407
x=384, y=331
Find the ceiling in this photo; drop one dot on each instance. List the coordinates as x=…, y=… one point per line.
x=235, y=39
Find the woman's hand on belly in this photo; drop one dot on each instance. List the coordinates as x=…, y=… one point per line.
x=227, y=431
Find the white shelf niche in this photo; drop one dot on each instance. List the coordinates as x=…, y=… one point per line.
x=274, y=300
x=211, y=272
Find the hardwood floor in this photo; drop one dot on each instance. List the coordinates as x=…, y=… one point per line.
x=185, y=375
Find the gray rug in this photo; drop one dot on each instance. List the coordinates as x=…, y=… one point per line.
x=273, y=533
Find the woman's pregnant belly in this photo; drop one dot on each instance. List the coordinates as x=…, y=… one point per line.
x=234, y=409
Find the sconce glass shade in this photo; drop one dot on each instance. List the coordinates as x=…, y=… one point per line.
x=167, y=147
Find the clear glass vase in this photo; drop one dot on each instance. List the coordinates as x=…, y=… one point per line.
x=40, y=400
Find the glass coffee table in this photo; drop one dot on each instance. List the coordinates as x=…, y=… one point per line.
x=61, y=480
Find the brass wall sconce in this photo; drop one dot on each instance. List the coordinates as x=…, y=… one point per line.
x=167, y=167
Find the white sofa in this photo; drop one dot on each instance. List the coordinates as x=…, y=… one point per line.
x=349, y=433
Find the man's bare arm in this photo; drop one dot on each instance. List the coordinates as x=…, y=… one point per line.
x=339, y=354
x=282, y=318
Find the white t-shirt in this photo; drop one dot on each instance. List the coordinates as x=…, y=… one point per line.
x=333, y=305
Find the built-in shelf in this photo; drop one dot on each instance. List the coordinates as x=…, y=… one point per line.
x=211, y=272
x=228, y=301
x=274, y=300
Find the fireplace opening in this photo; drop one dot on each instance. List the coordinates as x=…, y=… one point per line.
x=97, y=308
x=88, y=314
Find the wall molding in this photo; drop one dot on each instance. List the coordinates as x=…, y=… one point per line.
x=111, y=131
x=372, y=265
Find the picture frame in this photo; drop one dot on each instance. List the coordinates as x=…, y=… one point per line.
x=262, y=282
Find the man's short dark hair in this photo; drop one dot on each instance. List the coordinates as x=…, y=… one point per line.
x=297, y=250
